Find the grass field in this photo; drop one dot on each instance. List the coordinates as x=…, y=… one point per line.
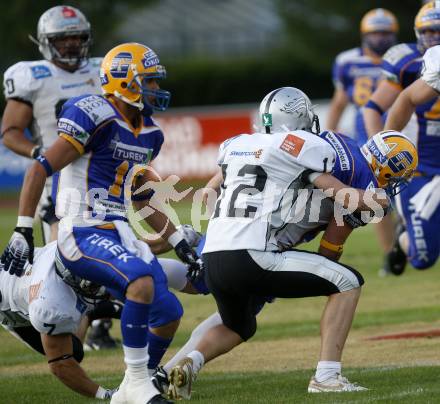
x=275, y=366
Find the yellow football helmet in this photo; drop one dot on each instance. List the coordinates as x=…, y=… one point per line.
x=393, y=159
x=379, y=19
x=125, y=71
x=427, y=25
x=379, y=29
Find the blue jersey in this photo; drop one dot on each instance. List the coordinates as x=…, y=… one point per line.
x=95, y=185
x=402, y=65
x=357, y=74
x=350, y=166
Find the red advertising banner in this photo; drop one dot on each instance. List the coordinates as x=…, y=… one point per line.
x=192, y=139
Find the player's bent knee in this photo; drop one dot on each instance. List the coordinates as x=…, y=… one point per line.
x=141, y=290
x=166, y=310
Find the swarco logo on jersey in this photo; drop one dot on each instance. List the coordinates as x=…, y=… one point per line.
x=257, y=153
x=120, y=65
x=150, y=59
x=134, y=154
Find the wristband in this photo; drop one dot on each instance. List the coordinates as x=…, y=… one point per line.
x=332, y=247
x=47, y=167
x=25, y=221
x=101, y=393
x=175, y=238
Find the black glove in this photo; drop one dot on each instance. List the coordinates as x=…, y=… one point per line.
x=19, y=249
x=355, y=220
x=188, y=256
x=47, y=212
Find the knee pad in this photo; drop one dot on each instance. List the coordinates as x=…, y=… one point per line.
x=78, y=351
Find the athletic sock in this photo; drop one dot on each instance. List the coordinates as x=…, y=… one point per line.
x=198, y=360
x=327, y=369
x=157, y=347
x=191, y=344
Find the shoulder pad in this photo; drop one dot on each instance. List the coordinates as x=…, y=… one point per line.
x=95, y=62
x=96, y=107
x=348, y=56
x=396, y=53
x=21, y=79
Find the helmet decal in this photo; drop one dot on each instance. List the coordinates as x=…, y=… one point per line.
x=400, y=161
x=120, y=65
x=267, y=119
x=150, y=59
x=68, y=12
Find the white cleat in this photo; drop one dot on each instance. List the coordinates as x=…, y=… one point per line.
x=137, y=391
x=335, y=384
x=181, y=379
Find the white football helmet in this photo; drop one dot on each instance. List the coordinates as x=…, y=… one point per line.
x=285, y=109
x=61, y=22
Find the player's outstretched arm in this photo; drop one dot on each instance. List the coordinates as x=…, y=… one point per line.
x=16, y=118
x=379, y=102
x=400, y=113
x=350, y=198
x=59, y=353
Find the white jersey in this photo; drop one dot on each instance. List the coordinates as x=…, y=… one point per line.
x=262, y=178
x=46, y=87
x=40, y=297
x=431, y=67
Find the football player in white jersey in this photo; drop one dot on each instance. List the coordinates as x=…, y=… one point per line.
x=36, y=90
x=48, y=313
x=45, y=312
x=246, y=227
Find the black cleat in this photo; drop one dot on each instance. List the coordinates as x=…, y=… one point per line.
x=395, y=261
x=160, y=379
x=99, y=337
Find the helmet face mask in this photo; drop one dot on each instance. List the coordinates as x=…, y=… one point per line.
x=287, y=109
x=63, y=36
x=393, y=159
x=131, y=73
x=427, y=25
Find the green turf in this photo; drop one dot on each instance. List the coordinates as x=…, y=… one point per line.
x=411, y=298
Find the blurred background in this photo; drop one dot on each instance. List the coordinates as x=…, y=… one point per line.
x=222, y=57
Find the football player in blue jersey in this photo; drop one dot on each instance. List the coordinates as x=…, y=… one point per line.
x=104, y=148
x=402, y=65
x=356, y=71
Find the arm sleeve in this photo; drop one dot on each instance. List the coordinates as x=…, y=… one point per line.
x=337, y=74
